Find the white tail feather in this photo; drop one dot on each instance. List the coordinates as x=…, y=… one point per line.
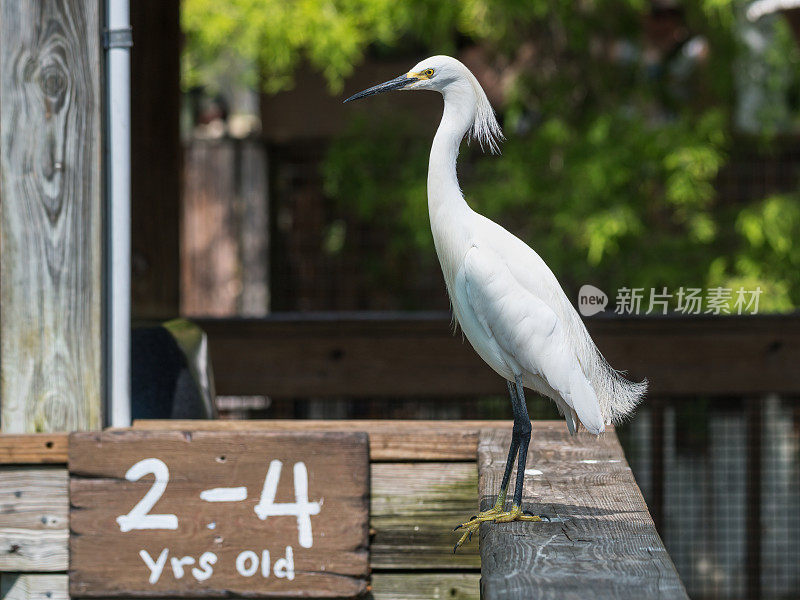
x=585, y=402
x=617, y=395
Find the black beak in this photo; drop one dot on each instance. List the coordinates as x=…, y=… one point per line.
x=395, y=84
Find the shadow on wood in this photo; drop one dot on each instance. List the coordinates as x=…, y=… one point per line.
x=600, y=542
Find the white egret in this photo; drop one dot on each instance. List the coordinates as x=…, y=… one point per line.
x=506, y=300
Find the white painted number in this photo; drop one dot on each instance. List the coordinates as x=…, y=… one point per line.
x=138, y=517
x=300, y=508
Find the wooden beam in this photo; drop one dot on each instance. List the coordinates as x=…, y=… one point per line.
x=362, y=354
x=601, y=537
x=51, y=222
x=33, y=448
x=156, y=155
x=754, y=531
x=657, y=470
x=385, y=586
x=424, y=586
x=389, y=440
x=224, y=228
x=413, y=510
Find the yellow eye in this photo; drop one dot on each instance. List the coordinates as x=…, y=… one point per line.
x=428, y=72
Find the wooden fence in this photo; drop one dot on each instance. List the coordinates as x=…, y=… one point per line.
x=330, y=356
x=743, y=360
x=423, y=476
x=423, y=480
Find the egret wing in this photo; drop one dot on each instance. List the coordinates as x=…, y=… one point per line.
x=528, y=333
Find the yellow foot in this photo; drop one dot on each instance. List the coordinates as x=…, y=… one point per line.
x=495, y=514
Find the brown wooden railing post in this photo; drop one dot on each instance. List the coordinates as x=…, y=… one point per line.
x=656, y=500
x=753, y=507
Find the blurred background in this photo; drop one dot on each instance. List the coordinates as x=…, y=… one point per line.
x=651, y=144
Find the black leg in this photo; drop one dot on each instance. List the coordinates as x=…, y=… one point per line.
x=522, y=428
x=520, y=439
x=513, y=450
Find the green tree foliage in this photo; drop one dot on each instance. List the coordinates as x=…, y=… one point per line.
x=613, y=148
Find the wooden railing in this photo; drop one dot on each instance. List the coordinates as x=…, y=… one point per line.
x=362, y=355
x=402, y=354
x=424, y=477
x=595, y=524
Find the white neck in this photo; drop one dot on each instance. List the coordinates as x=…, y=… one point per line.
x=444, y=193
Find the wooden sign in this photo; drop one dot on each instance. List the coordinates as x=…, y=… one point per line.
x=216, y=514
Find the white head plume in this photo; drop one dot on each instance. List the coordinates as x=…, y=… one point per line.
x=449, y=75
x=485, y=129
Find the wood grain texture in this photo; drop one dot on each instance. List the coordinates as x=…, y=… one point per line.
x=50, y=228
x=105, y=562
x=414, y=509
x=604, y=544
x=26, y=586
x=33, y=519
x=425, y=586
x=358, y=354
x=389, y=440
x=33, y=448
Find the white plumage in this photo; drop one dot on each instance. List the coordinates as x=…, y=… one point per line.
x=506, y=300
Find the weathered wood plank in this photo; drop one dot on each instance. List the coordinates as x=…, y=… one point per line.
x=51, y=222
x=389, y=440
x=24, y=586
x=33, y=448
x=33, y=519
x=603, y=539
x=425, y=586
x=414, y=509
x=385, y=586
x=301, y=497
x=356, y=354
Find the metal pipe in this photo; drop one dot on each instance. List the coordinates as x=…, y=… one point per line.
x=118, y=243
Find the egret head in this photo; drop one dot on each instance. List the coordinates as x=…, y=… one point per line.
x=459, y=87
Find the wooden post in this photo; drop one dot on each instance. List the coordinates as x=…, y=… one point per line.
x=51, y=223
x=156, y=157
x=225, y=229
x=755, y=426
x=657, y=461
